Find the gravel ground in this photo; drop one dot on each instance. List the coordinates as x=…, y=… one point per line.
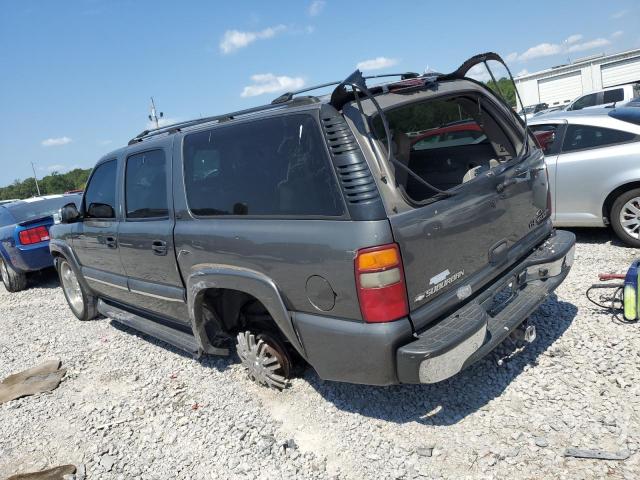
x=132, y=407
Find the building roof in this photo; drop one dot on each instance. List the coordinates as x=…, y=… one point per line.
x=614, y=57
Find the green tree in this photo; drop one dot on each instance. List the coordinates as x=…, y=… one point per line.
x=75, y=179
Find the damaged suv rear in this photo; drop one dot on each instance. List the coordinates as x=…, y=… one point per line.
x=385, y=234
x=466, y=194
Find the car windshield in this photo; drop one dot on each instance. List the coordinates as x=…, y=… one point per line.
x=23, y=211
x=527, y=110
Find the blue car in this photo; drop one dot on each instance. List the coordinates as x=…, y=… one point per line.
x=24, y=237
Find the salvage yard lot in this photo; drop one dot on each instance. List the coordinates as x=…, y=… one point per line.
x=133, y=407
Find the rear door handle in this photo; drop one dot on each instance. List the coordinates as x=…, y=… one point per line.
x=159, y=247
x=111, y=242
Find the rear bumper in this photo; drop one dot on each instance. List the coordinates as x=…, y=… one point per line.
x=468, y=334
x=390, y=353
x=31, y=258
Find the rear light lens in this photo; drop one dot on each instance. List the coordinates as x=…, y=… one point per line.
x=34, y=235
x=380, y=282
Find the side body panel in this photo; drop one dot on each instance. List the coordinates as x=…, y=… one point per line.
x=585, y=178
x=147, y=250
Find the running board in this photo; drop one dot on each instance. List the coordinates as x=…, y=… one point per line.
x=179, y=339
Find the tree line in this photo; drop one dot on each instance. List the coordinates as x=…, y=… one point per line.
x=51, y=184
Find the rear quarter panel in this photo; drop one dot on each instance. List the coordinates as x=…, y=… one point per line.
x=584, y=179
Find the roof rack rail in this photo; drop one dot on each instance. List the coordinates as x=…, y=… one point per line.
x=288, y=96
x=176, y=127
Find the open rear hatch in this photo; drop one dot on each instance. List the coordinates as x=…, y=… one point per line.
x=476, y=183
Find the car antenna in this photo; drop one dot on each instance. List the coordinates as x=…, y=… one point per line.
x=35, y=177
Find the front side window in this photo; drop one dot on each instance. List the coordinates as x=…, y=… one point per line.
x=580, y=137
x=616, y=95
x=586, y=101
x=274, y=166
x=100, y=195
x=146, y=185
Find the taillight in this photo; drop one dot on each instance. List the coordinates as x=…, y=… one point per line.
x=34, y=235
x=380, y=283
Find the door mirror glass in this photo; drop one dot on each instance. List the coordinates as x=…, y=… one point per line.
x=69, y=213
x=100, y=210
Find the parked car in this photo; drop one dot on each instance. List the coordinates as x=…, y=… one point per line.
x=593, y=157
x=296, y=231
x=609, y=96
x=530, y=111
x=24, y=237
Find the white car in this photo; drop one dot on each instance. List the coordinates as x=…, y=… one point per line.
x=593, y=158
x=609, y=96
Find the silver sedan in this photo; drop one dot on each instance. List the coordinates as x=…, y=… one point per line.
x=593, y=158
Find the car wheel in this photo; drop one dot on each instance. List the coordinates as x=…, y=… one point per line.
x=625, y=217
x=82, y=304
x=13, y=280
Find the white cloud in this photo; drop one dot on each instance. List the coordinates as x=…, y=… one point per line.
x=590, y=45
x=512, y=57
x=574, y=38
x=541, y=50
x=55, y=142
x=376, y=63
x=522, y=72
x=619, y=15
x=571, y=44
x=162, y=122
x=316, y=7
x=269, y=83
x=617, y=34
x=233, y=40
x=479, y=72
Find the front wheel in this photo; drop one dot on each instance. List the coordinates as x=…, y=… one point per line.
x=82, y=304
x=13, y=280
x=625, y=217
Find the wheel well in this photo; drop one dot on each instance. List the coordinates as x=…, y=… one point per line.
x=235, y=310
x=608, y=203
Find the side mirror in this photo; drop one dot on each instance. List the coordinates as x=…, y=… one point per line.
x=100, y=210
x=69, y=213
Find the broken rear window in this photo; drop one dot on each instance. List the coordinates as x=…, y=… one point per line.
x=447, y=142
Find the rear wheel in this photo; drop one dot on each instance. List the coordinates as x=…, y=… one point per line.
x=625, y=217
x=82, y=304
x=13, y=280
x=266, y=358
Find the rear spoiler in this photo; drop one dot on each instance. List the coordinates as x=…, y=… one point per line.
x=32, y=221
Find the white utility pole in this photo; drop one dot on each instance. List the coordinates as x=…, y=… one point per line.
x=35, y=177
x=154, y=117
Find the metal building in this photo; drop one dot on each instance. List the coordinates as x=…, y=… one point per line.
x=559, y=85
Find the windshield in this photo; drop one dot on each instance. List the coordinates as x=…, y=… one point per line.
x=36, y=208
x=527, y=110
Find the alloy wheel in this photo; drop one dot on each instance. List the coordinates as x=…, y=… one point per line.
x=630, y=217
x=4, y=272
x=71, y=287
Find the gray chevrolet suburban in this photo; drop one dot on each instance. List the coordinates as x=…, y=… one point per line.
x=383, y=234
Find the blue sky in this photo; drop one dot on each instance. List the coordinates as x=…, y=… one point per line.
x=76, y=76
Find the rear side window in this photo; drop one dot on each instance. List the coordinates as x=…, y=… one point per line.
x=101, y=190
x=5, y=217
x=586, y=101
x=146, y=185
x=611, y=96
x=580, y=137
x=274, y=166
